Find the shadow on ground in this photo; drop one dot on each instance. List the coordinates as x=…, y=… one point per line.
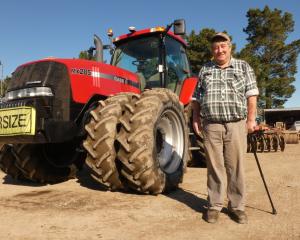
x=85, y=180
x=7, y=179
x=189, y=199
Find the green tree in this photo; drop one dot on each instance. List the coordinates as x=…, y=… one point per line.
x=4, y=85
x=85, y=55
x=273, y=60
x=199, y=48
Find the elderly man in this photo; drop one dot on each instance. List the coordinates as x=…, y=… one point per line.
x=224, y=109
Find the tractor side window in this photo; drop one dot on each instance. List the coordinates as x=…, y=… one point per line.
x=177, y=64
x=140, y=56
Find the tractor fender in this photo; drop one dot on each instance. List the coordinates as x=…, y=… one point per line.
x=84, y=113
x=187, y=90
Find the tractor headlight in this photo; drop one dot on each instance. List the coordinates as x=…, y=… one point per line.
x=29, y=92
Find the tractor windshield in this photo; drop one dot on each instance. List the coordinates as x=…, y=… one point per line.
x=140, y=56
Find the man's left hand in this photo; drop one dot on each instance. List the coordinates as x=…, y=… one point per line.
x=251, y=126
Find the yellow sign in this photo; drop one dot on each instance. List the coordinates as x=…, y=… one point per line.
x=17, y=121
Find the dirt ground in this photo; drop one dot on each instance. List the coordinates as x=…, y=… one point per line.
x=80, y=209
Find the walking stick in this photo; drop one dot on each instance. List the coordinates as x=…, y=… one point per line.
x=252, y=142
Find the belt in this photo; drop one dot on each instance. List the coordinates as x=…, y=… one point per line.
x=223, y=122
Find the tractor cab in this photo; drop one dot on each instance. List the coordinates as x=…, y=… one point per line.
x=156, y=55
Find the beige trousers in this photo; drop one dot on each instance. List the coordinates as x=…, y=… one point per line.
x=225, y=146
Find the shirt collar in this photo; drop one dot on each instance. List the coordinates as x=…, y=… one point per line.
x=230, y=63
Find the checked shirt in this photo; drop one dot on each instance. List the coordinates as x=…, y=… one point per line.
x=222, y=93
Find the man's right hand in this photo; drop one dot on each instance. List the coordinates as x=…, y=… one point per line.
x=197, y=125
x=196, y=117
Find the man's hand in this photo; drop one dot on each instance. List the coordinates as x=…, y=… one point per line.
x=196, y=117
x=251, y=126
x=197, y=125
x=251, y=105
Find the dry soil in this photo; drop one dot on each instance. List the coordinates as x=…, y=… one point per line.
x=80, y=209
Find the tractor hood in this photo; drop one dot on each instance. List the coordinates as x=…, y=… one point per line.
x=83, y=77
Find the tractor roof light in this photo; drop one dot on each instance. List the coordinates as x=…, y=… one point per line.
x=110, y=32
x=157, y=29
x=131, y=29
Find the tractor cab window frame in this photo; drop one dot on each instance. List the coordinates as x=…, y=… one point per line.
x=177, y=65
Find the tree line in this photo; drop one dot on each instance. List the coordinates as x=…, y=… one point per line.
x=267, y=51
x=273, y=60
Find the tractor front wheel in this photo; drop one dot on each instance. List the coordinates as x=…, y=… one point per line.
x=100, y=143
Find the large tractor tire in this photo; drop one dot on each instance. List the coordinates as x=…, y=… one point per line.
x=100, y=143
x=153, y=142
x=8, y=162
x=197, y=157
x=48, y=163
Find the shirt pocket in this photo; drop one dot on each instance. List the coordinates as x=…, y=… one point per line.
x=238, y=82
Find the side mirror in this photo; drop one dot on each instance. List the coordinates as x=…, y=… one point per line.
x=179, y=27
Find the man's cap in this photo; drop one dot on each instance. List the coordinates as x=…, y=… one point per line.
x=220, y=35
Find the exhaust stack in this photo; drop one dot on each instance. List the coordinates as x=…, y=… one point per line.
x=99, y=48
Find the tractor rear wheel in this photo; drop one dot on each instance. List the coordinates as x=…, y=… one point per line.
x=153, y=142
x=8, y=162
x=197, y=157
x=48, y=163
x=101, y=144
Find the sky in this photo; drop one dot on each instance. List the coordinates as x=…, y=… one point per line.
x=35, y=29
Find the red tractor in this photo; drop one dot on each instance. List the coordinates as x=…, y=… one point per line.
x=125, y=120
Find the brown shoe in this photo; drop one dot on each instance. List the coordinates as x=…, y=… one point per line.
x=212, y=215
x=238, y=216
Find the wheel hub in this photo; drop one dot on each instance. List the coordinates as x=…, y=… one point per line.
x=169, y=141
